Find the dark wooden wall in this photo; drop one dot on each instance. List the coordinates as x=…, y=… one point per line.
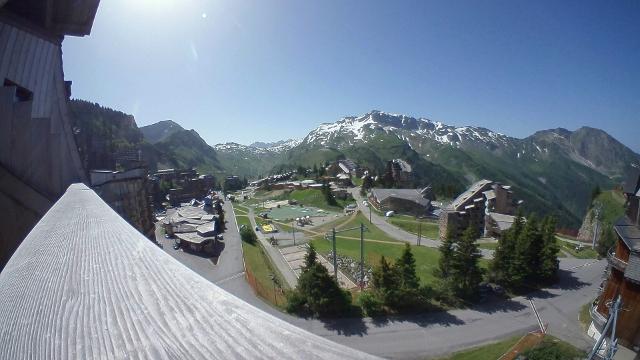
x=38, y=153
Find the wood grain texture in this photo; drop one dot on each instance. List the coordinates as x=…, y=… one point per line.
x=84, y=284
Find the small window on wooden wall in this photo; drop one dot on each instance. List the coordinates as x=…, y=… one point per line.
x=22, y=94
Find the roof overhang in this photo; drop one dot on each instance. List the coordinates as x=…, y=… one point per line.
x=62, y=17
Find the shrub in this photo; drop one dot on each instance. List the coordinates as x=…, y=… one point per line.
x=248, y=235
x=370, y=304
x=553, y=349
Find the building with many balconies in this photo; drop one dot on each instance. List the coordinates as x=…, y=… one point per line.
x=623, y=273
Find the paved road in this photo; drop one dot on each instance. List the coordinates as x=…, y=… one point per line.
x=398, y=233
x=436, y=334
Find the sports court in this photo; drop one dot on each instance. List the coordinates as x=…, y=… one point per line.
x=290, y=212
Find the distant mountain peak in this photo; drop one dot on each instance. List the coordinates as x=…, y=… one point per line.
x=351, y=130
x=259, y=147
x=277, y=144
x=160, y=131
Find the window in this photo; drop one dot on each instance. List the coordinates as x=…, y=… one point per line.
x=22, y=94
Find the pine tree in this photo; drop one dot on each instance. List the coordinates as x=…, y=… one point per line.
x=607, y=239
x=466, y=274
x=520, y=270
x=505, y=252
x=328, y=196
x=504, y=256
x=317, y=291
x=406, y=266
x=549, y=255
x=446, y=255
x=386, y=281
x=535, y=248
x=310, y=258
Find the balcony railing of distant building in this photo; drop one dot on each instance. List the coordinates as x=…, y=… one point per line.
x=84, y=284
x=615, y=261
x=598, y=319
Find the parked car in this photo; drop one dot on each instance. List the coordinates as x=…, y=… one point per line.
x=220, y=237
x=365, y=203
x=389, y=213
x=176, y=246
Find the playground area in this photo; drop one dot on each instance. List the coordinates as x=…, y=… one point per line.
x=291, y=212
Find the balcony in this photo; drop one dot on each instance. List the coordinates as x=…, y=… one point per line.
x=84, y=284
x=616, y=262
x=598, y=319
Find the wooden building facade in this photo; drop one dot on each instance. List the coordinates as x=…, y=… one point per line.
x=623, y=273
x=38, y=154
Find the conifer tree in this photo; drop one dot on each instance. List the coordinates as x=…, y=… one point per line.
x=446, y=255
x=385, y=280
x=505, y=252
x=406, y=267
x=466, y=273
x=520, y=270
x=549, y=255
x=310, y=258
x=317, y=291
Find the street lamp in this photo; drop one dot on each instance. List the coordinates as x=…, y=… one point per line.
x=294, y=231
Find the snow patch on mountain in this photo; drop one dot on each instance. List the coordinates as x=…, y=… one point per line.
x=258, y=148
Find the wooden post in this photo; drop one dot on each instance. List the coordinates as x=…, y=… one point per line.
x=335, y=256
x=361, y=256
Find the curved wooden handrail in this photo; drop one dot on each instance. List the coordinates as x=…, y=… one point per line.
x=84, y=284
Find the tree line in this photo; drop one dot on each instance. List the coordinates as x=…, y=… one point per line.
x=525, y=258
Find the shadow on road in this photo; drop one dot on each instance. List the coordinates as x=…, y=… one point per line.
x=213, y=255
x=346, y=327
x=499, y=305
x=566, y=282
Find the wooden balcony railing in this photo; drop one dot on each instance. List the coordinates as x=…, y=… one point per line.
x=616, y=262
x=84, y=284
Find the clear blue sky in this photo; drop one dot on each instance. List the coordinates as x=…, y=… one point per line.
x=242, y=71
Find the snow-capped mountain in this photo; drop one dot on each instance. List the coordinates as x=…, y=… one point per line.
x=278, y=146
x=551, y=169
x=354, y=130
x=259, y=147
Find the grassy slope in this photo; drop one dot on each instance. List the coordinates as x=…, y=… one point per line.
x=612, y=205
x=494, y=351
x=315, y=198
x=258, y=262
x=545, y=190
x=488, y=246
x=429, y=229
x=486, y=352
x=586, y=253
x=371, y=231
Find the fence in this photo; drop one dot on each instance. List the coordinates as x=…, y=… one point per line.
x=270, y=293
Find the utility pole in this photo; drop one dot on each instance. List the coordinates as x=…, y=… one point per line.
x=294, y=232
x=361, y=256
x=370, y=222
x=596, y=225
x=335, y=256
x=419, y=231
